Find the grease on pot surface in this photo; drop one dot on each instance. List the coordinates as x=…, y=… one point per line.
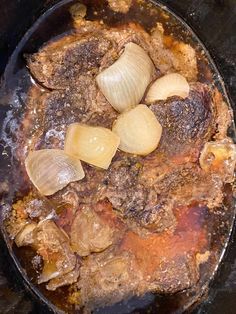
x=148, y=224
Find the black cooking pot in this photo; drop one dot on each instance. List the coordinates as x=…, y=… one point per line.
x=214, y=21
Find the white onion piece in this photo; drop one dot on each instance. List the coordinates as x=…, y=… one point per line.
x=50, y=170
x=94, y=145
x=139, y=131
x=169, y=85
x=124, y=83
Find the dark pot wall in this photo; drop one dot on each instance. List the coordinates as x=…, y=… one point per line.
x=214, y=21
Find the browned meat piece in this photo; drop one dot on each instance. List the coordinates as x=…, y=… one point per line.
x=133, y=198
x=170, y=55
x=77, y=104
x=175, y=274
x=187, y=123
x=107, y=280
x=188, y=184
x=59, y=64
x=121, y=181
x=89, y=233
x=53, y=245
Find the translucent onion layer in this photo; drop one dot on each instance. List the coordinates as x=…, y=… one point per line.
x=94, y=145
x=124, y=83
x=50, y=170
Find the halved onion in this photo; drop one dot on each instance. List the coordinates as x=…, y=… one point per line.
x=94, y=145
x=169, y=85
x=139, y=131
x=124, y=83
x=50, y=170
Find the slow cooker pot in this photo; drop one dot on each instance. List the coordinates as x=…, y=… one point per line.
x=214, y=22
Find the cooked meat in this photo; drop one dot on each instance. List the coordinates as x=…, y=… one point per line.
x=106, y=279
x=129, y=195
x=146, y=188
x=69, y=65
x=58, y=65
x=76, y=104
x=175, y=274
x=162, y=263
x=89, y=233
x=187, y=123
x=53, y=245
x=170, y=55
x=188, y=184
x=135, y=224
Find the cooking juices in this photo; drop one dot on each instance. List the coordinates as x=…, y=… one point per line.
x=197, y=231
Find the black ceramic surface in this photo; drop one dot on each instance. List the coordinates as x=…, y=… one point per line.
x=215, y=24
